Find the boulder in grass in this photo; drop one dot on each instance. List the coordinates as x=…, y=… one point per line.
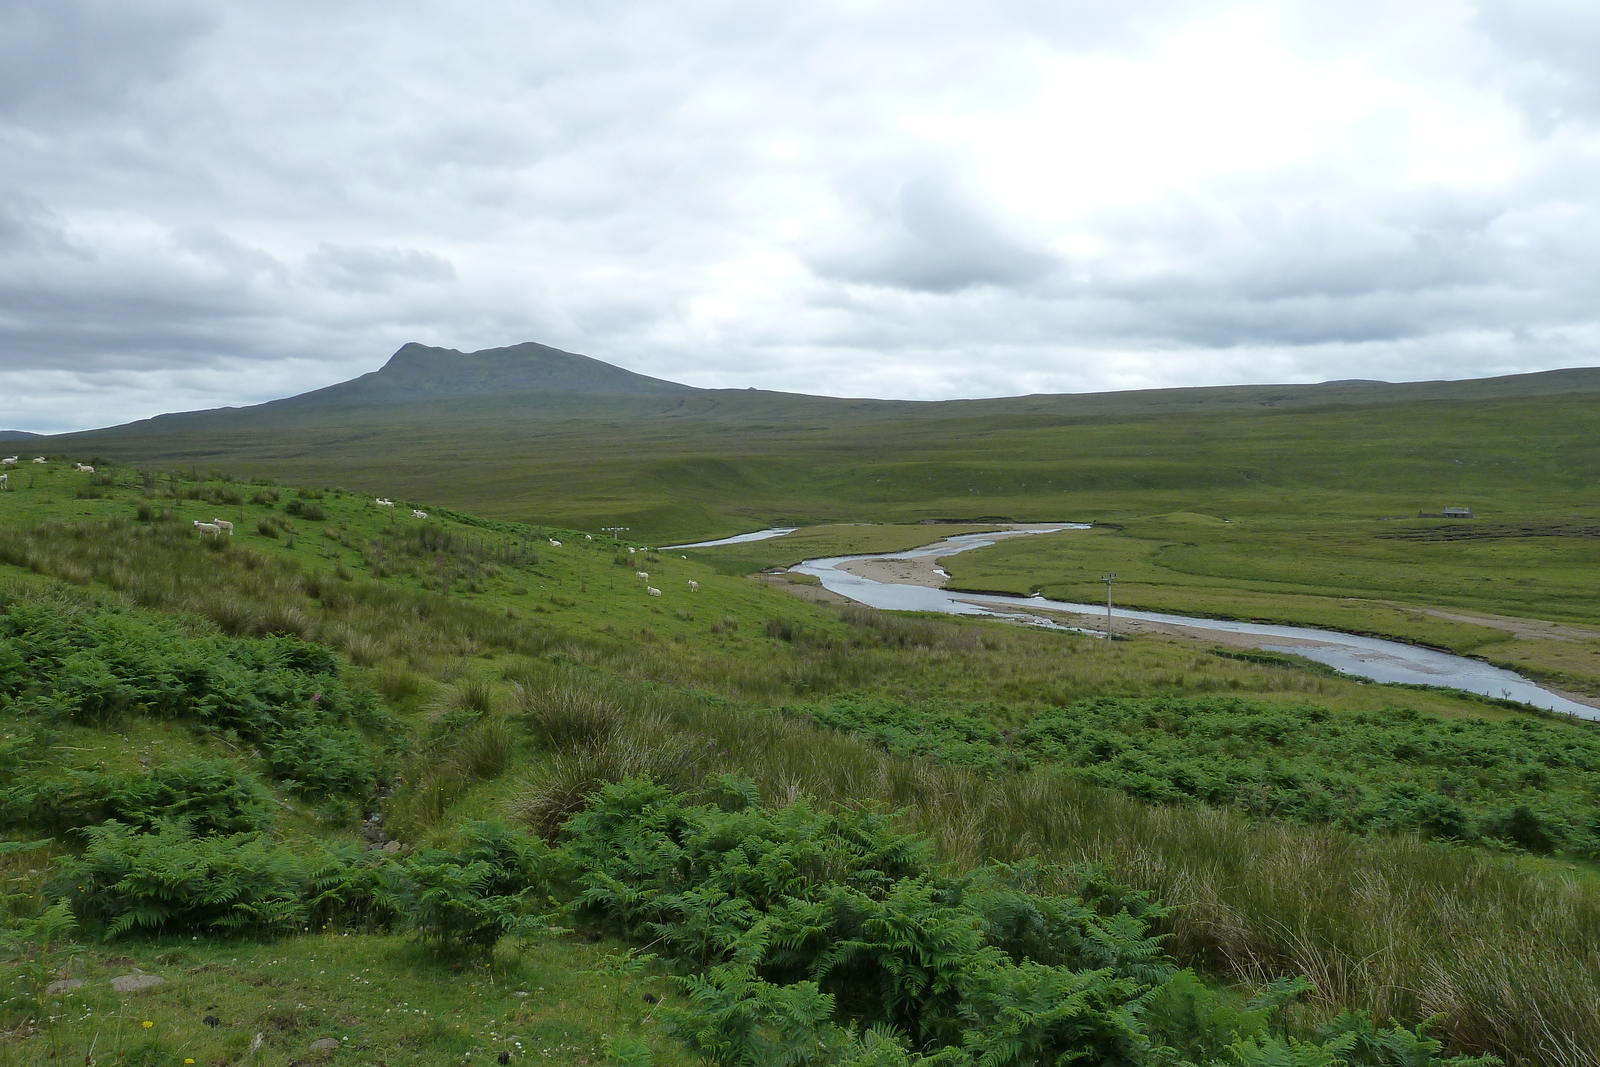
x=138, y=980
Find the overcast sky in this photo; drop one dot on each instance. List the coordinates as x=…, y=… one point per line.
x=208, y=203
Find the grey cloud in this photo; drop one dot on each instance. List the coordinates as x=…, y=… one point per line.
x=69, y=57
x=1553, y=46
x=26, y=226
x=932, y=238
x=371, y=269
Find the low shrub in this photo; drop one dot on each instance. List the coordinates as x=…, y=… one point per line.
x=173, y=880
x=496, y=885
x=798, y=932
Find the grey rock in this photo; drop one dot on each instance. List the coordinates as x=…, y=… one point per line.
x=132, y=983
x=64, y=985
x=325, y=1044
x=393, y=846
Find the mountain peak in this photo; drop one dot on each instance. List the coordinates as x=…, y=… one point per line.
x=422, y=372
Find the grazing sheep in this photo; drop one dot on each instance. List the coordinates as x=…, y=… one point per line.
x=652, y=590
x=588, y=537
x=382, y=503
x=630, y=551
x=643, y=576
x=5, y=481
x=694, y=586
x=415, y=514
x=10, y=461
x=84, y=467
x=208, y=528
x=40, y=459
x=554, y=543
x=223, y=525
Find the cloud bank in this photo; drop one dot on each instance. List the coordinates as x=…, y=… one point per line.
x=205, y=203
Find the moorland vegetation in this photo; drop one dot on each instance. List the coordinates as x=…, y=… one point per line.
x=590, y=797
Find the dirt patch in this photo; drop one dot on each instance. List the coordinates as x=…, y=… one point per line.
x=1524, y=629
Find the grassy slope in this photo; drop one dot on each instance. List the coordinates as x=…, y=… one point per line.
x=598, y=613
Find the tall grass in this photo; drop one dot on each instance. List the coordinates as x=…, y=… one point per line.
x=248, y=594
x=1393, y=925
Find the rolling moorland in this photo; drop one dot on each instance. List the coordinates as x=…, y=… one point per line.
x=1143, y=852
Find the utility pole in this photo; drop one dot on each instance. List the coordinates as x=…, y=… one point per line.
x=1108, y=579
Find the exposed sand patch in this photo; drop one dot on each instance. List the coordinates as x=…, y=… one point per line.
x=924, y=570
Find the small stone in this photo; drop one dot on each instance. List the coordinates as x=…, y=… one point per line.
x=393, y=847
x=132, y=983
x=325, y=1044
x=520, y=993
x=64, y=985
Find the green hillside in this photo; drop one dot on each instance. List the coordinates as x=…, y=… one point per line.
x=630, y=828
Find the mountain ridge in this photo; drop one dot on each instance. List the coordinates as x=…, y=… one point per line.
x=424, y=372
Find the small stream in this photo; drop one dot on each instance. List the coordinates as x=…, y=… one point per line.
x=1365, y=657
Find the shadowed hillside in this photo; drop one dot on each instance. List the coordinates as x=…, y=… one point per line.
x=419, y=372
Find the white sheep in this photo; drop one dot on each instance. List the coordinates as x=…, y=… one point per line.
x=643, y=576
x=588, y=537
x=223, y=525
x=415, y=514
x=84, y=467
x=10, y=461
x=40, y=459
x=652, y=590
x=5, y=482
x=694, y=586
x=382, y=503
x=208, y=528
x=630, y=551
x=554, y=543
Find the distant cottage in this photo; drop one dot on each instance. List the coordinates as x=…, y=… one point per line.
x=1447, y=513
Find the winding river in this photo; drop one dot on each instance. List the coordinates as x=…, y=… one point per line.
x=1365, y=657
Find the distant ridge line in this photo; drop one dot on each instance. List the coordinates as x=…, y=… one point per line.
x=422, y=372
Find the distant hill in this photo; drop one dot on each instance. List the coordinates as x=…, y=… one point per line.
x=418, y=372
x=17, y=435
x=536, y=434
